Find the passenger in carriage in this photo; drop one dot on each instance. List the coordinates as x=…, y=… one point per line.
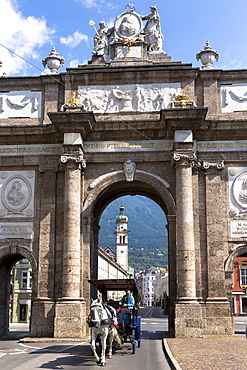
x=127, y=301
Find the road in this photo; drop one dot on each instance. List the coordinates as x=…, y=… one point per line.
x=29, y=356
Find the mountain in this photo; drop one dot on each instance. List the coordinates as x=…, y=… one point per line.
x=148, y=242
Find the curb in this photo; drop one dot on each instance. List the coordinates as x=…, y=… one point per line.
x=170, y=356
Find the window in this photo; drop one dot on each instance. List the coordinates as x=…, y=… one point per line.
x=26, y=280
x=244, y=276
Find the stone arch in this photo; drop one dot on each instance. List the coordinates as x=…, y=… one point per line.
x=234, y=253
x=14, y=251
x=113, y=185
x=154, y=182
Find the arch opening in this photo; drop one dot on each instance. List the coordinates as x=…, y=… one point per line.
x=17, y=275
x=143, y=185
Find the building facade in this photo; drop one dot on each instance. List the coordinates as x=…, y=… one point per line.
x=131, y=121
x=239, y=291
x=108, y=268
x=21, y=282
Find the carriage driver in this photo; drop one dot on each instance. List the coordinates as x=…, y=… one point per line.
x=127, y=301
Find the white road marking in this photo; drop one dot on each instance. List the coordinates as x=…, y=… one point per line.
x=2, y=354
x=17, y=353
x=24, y=345
x=74, y=345
x=154, y=323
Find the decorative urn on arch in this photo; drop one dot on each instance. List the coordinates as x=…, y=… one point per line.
x=208, y=56
x=53, y=61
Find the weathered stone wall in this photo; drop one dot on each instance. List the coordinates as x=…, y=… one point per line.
x=155, y=176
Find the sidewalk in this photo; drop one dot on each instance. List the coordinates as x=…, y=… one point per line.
x=208, y=353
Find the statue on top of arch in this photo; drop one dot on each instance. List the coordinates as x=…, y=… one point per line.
x=128, y=29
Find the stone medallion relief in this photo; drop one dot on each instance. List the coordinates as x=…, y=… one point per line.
x=17, y=194
x=128, y=98
x=23, y=104
x=234, y=98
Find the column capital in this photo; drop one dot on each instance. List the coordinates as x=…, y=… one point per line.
x=73, y=155
x=185, y=158
x=219, y=165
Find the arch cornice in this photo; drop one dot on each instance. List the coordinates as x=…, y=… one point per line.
x=23, y=250
x=236, y=251
x=159, y=184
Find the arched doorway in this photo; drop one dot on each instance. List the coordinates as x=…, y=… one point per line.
x=9, y=256
x=113, y=186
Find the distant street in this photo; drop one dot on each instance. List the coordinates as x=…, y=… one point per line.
x=29, y=356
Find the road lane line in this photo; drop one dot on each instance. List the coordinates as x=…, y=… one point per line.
x=2, y=354
x=24, y=345
x=74, y=345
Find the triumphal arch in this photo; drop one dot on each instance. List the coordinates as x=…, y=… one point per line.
x=131, y=121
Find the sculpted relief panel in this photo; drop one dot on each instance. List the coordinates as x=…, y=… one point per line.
x=127, y=98
x=17, y=194
x=234, y=98
x=24, y=104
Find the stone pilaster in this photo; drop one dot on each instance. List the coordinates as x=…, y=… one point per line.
x=218, y=310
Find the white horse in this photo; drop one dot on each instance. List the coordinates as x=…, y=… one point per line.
x=101, y=323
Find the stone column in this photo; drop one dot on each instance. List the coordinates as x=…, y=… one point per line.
x=186, y=290
x=70, y=309
x=71, y=247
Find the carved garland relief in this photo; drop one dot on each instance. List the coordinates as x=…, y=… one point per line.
x=24, y=104
x=234, y=98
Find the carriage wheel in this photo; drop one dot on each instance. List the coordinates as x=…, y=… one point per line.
x=134, y=347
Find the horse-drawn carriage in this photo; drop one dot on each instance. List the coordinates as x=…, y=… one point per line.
x=127, y=321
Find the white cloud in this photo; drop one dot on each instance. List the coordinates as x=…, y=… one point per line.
x=233, y=64
x=74, y=40
x=99, y=4
x=74, y=63
x=88, y=3
x=23, y=35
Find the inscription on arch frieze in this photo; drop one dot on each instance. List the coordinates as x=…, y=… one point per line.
x=17, y=194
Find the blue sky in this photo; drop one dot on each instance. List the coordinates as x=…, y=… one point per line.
x=32, y=27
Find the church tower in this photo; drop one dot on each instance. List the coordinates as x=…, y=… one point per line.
x=122, y=239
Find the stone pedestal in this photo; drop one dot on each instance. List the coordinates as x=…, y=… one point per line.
x=189, y=319
x=42, y=318
x=70, y=319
